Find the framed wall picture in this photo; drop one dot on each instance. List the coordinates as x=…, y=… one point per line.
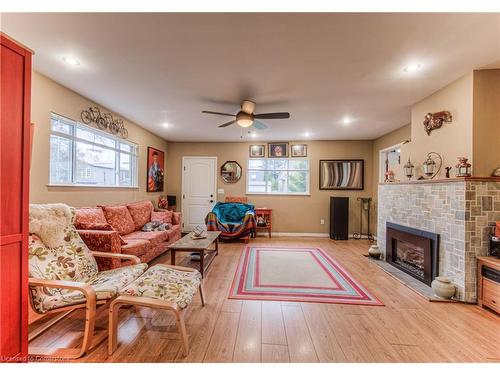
x=277, y=150
x=298, y=151
x=257, y=151
x=155, y=170
x=341, y=174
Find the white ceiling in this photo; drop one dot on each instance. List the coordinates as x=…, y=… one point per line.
x=156, y=68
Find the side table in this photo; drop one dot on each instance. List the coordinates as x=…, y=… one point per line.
x=264, y=216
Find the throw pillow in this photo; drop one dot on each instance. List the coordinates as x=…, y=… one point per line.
x=163, y=216
x=119, y=218
x=497, y=229
x=106, y=226
x=88, y=216
x=140, y=212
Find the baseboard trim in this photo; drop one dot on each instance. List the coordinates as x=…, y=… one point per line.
x=305, y=234
x=293, y=234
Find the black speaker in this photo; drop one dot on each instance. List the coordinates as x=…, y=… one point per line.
x=339, y=218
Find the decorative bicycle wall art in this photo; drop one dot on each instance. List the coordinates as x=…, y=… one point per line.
x=104, y=121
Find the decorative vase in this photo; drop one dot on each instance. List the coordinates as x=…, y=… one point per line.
x=443, y=287
x=389, y=176
x=374, y=252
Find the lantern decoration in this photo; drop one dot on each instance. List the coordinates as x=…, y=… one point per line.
x=430, y=167
x=463, y=169
x=408, y=168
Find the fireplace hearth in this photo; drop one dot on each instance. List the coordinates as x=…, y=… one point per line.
x=413, y=251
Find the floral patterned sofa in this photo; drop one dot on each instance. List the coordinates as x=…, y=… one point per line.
x=117, y=229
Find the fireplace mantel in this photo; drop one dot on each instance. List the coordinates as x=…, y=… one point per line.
x=462, y=211
x=443, y=180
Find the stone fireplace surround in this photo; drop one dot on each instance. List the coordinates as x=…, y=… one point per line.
x=461, y=210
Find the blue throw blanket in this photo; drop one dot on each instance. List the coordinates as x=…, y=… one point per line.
x=231, y=213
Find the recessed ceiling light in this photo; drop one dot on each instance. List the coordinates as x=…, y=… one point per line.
x=254, y=135
x=71, y=60
x=412, y=68
x=307, y=134
x=346, y=120
x=166, y=125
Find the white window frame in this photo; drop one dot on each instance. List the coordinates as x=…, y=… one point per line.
x=308, y=179
x=382, y=159
x=73, y=138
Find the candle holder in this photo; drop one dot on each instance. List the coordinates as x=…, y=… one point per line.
x=409, y=169
x=432, y=165
x=463, y=169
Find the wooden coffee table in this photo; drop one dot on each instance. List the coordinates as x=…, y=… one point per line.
x=202, y=246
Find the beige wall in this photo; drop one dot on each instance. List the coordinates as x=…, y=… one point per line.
x=486, y=120
x=48, y=96
x=291, y=213
x=452, y=139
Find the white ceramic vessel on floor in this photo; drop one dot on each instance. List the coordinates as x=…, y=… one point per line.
x=443, y=287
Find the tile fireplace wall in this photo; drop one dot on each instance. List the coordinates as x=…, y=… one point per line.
x=461, y=211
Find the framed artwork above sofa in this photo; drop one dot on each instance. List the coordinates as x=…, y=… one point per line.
x=155, y=170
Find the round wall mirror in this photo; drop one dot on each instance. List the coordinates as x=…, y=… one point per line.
x=230, y=172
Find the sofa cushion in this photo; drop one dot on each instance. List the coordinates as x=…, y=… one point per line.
x=86, y=216
x=163, y=216
x=175, y=230
x=153, y=237
x=135, y=247
x=140, y=212
x=119, y=218
x=106, y=285
x=106, y=227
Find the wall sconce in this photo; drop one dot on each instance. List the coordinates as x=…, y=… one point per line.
x=430, y=167
x=434, y=121
x=408, y=169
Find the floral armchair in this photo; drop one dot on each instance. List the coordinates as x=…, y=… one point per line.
x=64, y=276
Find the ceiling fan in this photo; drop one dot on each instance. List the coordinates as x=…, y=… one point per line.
x=246, y=118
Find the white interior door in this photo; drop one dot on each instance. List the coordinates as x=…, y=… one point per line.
x=199, y=189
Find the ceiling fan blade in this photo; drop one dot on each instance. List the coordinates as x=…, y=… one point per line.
x=259, y=125
x=218, y=113
x=227, y=124
x=274, y=115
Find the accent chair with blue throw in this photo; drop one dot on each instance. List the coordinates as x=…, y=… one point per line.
x=235, y=218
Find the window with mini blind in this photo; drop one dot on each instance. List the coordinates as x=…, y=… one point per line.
x=278, y=176
x=84, y=156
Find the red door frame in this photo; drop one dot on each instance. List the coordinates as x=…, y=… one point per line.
x=9, y=354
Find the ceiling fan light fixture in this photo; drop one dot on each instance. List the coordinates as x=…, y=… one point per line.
x=244, y=122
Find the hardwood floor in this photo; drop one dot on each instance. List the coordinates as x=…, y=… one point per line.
x=407, y=329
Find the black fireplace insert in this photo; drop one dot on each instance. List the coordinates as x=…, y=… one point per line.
x=413, y=251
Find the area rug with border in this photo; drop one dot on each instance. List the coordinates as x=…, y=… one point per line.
x=300, y=274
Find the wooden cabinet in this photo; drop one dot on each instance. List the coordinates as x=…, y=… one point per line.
x=488, y=285
x=15, y=81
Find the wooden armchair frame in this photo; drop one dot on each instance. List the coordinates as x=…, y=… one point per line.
x=91, y=311
x=153, y=303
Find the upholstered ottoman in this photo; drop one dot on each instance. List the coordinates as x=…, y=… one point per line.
x=162, y=287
